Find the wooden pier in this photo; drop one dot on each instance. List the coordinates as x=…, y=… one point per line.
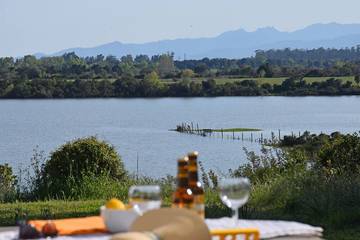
x=238, y=134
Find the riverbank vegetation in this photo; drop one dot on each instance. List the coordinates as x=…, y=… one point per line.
x=274, y=72
x=128, y=87
x=309, y=178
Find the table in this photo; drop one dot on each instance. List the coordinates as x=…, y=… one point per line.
x=279, y=230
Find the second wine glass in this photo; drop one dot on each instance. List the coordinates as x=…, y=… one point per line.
x=234, y=193
x=145, y=197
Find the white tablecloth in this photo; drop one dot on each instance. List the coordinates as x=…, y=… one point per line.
x=268, y=229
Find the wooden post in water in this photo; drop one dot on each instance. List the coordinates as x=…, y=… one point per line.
x=279, y=135
x=222, y=133
x=251, y=137
x=233, y=134
x=197, y=127
x=242, y=136
x=261, y=138
x=192, y=127
x=137, y=165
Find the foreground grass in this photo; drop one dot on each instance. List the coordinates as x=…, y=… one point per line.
x=55, y=209
x=11, y=212
x=348, y=233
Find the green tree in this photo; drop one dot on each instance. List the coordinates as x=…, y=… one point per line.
x=209, y=86
x=7, y=183
x=151, y=85
x=357, y=79
x=341, y=155
x=105, y=88
x=76, y=159
x=187, y=74
x=127, y=86
x=166, y=64
x=265, y=70
x=201, y=69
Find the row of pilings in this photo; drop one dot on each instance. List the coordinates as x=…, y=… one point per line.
x=251, y=136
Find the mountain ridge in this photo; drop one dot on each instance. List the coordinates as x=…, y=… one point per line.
x=232, y=44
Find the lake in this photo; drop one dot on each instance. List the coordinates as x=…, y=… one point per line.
x=139, y=128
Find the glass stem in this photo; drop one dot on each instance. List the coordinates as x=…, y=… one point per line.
x=235, y=216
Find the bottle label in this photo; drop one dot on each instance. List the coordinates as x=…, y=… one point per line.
x=199, y=205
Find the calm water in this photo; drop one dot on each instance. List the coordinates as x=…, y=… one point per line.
x=140, y=126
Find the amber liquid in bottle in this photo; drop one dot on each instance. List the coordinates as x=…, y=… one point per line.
x=195, y=185
x=183, y=197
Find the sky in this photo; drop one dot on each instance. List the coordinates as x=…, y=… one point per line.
x=32, y=26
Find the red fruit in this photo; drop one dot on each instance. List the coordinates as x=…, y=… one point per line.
x=49, y=229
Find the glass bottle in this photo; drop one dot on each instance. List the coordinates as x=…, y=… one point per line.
x=182, y=197
x=195, y=185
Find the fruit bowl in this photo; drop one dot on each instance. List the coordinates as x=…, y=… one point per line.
x=118, y=220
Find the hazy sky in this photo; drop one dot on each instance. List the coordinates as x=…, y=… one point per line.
x=29, y=26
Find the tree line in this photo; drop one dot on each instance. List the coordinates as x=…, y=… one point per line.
x=71, y=76
x=271, y=63
x=151, y=86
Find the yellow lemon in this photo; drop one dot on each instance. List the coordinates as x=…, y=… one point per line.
x=115, y=204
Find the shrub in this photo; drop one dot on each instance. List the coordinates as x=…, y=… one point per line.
x=7, y=183
x=341, y=155
x=319, y=185
x=69, y=165
x=308, y=197
x=272, y=163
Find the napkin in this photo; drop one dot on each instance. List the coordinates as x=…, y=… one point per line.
x=74, y=226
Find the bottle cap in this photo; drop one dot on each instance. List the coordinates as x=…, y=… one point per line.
x=183, y=161
x=193, y=155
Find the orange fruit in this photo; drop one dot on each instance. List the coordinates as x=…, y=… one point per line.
x=115, y=203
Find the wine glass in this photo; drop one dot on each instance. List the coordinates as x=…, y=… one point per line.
x=234, y=193
x=144, y=197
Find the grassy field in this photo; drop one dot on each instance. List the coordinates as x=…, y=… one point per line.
x=10, y=212
x=223, y=80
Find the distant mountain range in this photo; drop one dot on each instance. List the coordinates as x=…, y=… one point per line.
x=234, y=44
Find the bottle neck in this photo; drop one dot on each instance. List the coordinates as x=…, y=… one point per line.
x=182, y=177
x=193, y=177
x=193, y=172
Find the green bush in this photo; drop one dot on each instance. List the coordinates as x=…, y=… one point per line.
x=82, y=159
x=310, y=198
x=341, y=155
x=7, y=183
x=318, y=184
